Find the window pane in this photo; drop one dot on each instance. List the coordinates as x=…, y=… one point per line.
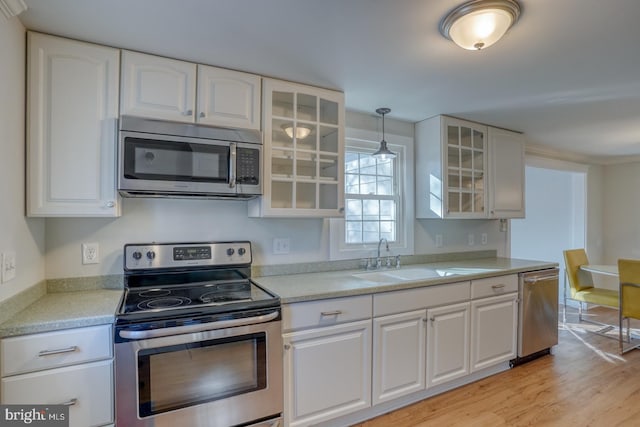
x=354, y=210
x=387, y=210
x=370, y=209
x=370, y=231
x=385, y=186
x=352, y=184
x=385, y=167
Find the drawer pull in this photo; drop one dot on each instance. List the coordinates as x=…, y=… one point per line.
x=496, y=287
x=58, y=351
x=70, y=402
x=331, y=313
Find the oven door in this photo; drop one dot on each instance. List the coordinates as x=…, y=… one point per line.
x=222, y=377
x=166, y=164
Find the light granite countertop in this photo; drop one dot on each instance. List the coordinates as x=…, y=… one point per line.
x=315, y=286
x=62, y=310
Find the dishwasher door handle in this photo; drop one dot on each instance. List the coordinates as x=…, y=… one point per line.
x=536, y=279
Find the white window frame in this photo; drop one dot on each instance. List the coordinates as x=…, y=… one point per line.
x=404, y=245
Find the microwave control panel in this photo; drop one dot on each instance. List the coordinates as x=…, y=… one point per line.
x=248, y=166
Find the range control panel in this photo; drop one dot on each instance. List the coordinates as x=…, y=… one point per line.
x=176, y=255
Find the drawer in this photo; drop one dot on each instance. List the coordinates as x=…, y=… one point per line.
x=29, y=353
x=493, y=286
x=87, y=388
x=325, y=312
x=415, y=299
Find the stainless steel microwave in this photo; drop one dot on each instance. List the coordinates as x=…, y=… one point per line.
x=170, y=159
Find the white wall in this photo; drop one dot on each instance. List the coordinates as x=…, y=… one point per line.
x=621, y=188
x=145, y=220
x=19, y=234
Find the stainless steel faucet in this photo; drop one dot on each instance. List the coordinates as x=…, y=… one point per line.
x=378, y=259
x=386, y=246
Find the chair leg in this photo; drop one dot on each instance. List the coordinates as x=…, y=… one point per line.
x=564, y=294
x=620, y=343
x=580, y=312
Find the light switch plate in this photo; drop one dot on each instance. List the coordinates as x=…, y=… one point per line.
x=8, y=266
x=281, y=245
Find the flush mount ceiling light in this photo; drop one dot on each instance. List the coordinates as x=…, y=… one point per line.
x=301, y=131
x=477, y=24
x=383, y=152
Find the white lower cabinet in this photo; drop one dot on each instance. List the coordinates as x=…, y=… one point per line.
x=495, y=330
x=85, y=388
x=398, y=355
x=447, y=343
x=327, y=372
x=73, y=367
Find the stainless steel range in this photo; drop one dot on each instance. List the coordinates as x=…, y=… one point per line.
x=197, y=342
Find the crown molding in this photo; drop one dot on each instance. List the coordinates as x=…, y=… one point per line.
x=11, y=8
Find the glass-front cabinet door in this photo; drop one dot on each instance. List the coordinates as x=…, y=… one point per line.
x=465, y=160
x=303, y=152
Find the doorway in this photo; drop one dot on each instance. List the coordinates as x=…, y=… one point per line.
x=555, y=214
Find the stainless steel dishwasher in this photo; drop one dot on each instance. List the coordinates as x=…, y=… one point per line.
x=537, y=314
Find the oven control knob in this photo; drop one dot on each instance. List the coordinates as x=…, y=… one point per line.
x=230, y=251
x=151, y=255
x=241, y=251
x=137, y=255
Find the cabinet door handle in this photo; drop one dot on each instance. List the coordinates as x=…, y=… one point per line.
x=287, y=346
x=188, y=113
x=433, y=320
x=58, y=351
x=202, y=114
x=331, y=313
x=496, y=287
x=69, y=402
x=109, y=204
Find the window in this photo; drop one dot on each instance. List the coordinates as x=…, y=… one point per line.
x=378, y=198
x=371, y=198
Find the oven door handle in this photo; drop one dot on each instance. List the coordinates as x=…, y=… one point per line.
x=201, y=327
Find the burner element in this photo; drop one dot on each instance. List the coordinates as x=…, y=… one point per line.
x=217, y=297
x=154, y=293
x=163, y=303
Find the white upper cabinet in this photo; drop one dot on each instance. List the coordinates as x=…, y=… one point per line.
x=158, y=87
x=303, y=152
x=468, y=170
x=451, y=168
x=506, y=166
x=170, y=89
x=228, y=98
x=72, y=111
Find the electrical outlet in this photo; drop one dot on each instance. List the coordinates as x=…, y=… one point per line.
x=484, y=238
x=438, y=240
x=8, y=266
x=470, y=239
x=90, y=254
x=281, y=245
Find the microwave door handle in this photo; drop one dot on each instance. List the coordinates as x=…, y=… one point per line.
x=232, y=165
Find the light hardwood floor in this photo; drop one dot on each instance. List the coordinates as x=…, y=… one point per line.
x=584, y=383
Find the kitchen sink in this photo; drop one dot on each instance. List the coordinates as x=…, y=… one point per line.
x=402, y=274
x=465, y=270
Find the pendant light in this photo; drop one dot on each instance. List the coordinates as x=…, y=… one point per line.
x=477, y=24
x=383, y=152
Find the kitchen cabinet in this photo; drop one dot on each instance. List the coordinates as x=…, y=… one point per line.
x=72, y=111
x=228, y=98
x=468, y=170
x=157, y=87
x=448, y=337
x=494, y=316
x=398, y=355
x=506, y=178
x=495, y=330
x=327, y=359
x=451, y=168
x=303, y=152
x=72, y=367
x=169, y=89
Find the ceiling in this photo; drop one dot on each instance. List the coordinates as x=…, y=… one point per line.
x=567, y=74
